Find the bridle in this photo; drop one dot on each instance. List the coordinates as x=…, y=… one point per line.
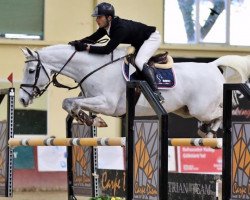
x=37, y=92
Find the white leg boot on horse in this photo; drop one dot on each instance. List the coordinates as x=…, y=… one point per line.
x=149, y=75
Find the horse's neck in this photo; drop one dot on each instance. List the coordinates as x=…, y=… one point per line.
x=81, y=64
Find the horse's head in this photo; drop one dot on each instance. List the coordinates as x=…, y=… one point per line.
x=36, y=78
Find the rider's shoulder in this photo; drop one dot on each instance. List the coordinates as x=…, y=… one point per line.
x=118, y=22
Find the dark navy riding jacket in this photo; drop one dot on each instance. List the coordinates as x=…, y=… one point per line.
x=121, y=31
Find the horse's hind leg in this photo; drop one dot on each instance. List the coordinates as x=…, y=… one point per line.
x=204, y=130
x=216, y=124
x=211, y=122
x=210, y=126
x=209, y=130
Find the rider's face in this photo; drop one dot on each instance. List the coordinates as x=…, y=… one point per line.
x=102, y=21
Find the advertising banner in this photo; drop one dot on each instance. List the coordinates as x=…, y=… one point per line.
x=200, y=160
x=192, y=186
x=52, y=158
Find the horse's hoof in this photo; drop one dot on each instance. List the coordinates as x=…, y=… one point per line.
x=209, y=135
x=79, y=121
x=99, y=122
x=201, y=134
x=206, y=135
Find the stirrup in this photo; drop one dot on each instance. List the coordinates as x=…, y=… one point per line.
x=159, y=97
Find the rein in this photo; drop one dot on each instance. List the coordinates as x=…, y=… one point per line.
x=55, y=81
x=89, y=74
x=60, y=85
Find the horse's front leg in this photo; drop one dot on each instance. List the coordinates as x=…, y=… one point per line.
x=94, y=120
x=78, y=114
x=98, y=104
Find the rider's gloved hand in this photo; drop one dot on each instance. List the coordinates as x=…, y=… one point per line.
x=79, y=45
x=73, y=43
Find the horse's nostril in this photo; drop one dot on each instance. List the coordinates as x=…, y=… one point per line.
x=22, y=101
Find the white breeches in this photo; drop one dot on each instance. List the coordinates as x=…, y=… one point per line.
x=148, y=49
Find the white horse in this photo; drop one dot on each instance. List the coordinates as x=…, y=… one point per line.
x=198, y=91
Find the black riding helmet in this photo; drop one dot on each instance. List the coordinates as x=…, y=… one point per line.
x=104, y=9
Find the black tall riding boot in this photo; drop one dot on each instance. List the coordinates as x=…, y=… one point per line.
x=149, y=75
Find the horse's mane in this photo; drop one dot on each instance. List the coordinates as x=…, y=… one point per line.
x=57, y=47
x=69, y=47
x=64, y=51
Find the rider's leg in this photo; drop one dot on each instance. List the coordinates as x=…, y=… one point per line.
x=149, y=75
x=146, y=51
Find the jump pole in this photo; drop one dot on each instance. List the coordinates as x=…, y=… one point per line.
x=207, y=142
x=112, y=141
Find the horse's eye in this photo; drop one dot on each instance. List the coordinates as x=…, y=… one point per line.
x=31, y=71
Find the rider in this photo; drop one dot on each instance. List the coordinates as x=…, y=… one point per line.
x=145, y=39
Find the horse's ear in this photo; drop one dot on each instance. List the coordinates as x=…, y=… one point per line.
x=27, y=52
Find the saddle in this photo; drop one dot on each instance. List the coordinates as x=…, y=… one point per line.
x=160, y=61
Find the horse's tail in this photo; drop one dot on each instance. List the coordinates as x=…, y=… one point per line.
x=233, y=67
